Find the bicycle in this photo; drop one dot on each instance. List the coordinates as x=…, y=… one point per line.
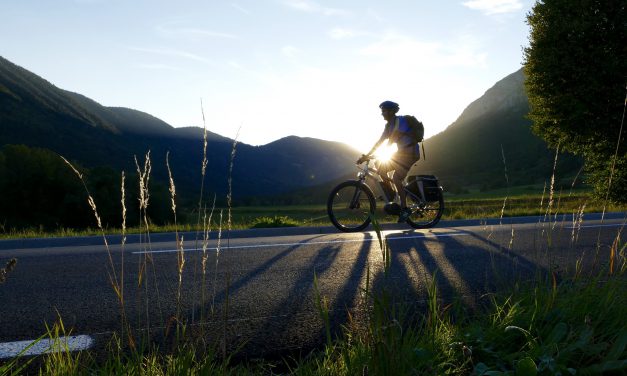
x=352, y=204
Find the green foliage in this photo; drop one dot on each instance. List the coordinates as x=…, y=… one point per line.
x=275, y=221
x=575, y=66
x=38, y=189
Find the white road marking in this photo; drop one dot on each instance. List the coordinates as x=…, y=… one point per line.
x=374, y=239
x=21, y=348
x=594, y=226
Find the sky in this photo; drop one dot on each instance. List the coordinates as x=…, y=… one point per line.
x=261, y=70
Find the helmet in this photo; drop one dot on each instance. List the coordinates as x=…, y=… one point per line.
x=389, y=105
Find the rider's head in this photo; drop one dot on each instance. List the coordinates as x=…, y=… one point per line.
x=389, y=105
x=388, y=109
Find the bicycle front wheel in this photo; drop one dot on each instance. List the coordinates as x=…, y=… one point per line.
x=425, y=214
x=350, y=205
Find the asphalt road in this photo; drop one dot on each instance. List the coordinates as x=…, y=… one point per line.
x=258, y=286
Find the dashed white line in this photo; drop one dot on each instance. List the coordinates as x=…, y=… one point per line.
x=421, y=236
x=42, y=346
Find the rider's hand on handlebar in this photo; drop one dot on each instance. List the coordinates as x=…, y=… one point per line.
x=363, y=158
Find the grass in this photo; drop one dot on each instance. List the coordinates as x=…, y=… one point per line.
x=571, y=328
x=475, y=206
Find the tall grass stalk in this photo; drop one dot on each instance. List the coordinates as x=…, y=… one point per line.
x=229, y=196
x=612, y=169
x=229, y=201
x=552, y=189
x=147, y=261
x=202, y=207
x=507, y=185
x=615, y=157
x=180, y=249
x=215, y=274
x=205, y=255
x=126, y=327
x=113, y=277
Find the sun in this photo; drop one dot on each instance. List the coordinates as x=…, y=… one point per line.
x=385, y=152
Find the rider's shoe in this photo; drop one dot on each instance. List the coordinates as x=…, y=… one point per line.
x=392, y=208
x=405, y=213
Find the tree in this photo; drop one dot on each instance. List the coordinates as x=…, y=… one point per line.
x=37, y=189
x=576, y=68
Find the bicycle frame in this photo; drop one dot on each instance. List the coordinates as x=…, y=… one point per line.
x=366, y=171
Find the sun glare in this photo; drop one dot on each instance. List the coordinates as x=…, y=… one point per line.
x=385, y=152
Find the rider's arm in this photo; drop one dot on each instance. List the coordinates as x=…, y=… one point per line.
x=384, y=136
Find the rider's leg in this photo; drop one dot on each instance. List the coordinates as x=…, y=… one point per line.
x=384, y=173
x=403, y=161
x=397, y=178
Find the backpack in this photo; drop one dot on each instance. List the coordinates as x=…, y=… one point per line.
x=416, y=126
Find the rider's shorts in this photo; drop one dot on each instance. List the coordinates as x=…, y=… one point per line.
x=402, y=160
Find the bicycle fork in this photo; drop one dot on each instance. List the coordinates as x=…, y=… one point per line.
x=354, y=204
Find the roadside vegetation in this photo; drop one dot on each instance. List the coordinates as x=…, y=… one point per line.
x=479, y=205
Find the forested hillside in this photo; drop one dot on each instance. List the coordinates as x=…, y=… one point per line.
x=493, y=137
x=36, y=114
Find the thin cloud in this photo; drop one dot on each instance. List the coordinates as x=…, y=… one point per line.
x=193, y=32
x=157, y=67
x=491, y=7
x=240, y=8
x=342, y=33
x=172, y=53
x=205, y=33
x=464, y=52
x=313, y=7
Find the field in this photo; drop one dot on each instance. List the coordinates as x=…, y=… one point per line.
x=518, y=201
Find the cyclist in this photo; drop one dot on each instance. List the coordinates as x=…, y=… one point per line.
x=397, y=130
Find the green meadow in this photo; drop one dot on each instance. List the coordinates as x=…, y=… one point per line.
x=517, y=201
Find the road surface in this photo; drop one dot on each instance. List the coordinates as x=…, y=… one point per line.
x=258, y=285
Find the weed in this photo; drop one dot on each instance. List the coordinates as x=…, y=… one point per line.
x=275, y=221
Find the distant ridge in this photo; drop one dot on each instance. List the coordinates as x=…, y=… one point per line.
x=491, y=135
x=35, y=113
x=507, y=94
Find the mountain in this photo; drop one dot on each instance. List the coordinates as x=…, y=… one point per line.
x=490, y=138
x=35, y=113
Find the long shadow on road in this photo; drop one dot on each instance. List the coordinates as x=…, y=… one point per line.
x=464, y=268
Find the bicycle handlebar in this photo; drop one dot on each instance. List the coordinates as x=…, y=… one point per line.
x=365, y=158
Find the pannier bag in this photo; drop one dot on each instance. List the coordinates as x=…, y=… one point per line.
x=429, y=184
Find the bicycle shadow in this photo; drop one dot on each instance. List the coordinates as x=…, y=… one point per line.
x=464, y=266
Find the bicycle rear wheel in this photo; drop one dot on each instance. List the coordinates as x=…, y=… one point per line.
x=425, y=214
x=350, y=205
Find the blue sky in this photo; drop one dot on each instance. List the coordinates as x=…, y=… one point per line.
x=272, y=68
